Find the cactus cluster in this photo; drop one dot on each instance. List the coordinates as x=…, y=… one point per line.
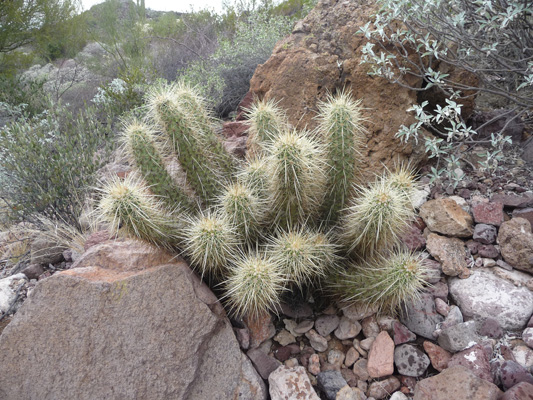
x=289, y=217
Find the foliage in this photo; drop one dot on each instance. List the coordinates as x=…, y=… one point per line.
x=265, y=229
x=48, y=161
x=490, y=39
x=20, y=96
x=224, y=76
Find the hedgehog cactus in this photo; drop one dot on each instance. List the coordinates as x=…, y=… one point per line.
x=289, y=218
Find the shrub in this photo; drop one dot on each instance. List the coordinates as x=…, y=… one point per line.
x=267, y=228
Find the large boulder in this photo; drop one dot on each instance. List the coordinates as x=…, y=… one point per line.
x=127, y=321
x=322, y=55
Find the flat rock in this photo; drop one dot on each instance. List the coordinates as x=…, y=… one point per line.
x=318, y=342
x=486, y=295
x=410, y=361
x=347, y=329
x=284, y=338
x=420, y=316
x=458, y=337
x=402, y=334
x=381, y=356
x=291, y=384
x=263, y=363
x=451, y=252
x=485, y=234
x=330, y=383
x=475, y=360
x=513, y=200
x=91, y=322
x=445, y=216
x=438, y=356
x=516, y=243
x=457, y=383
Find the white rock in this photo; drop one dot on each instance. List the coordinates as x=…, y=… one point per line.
x=291, y=384
x=8, y=290
x=398, y=396
x=419, y=197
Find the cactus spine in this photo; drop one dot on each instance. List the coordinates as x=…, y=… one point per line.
x=266, y=121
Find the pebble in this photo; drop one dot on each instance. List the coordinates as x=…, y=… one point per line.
x=370, y=326
x=291, y=363
x=454, y=317
x=410, y=361
x=381, y=356
x=291, y=383
x=381, y=389
x=325, y=324
x=349, y=393
x=485, y=234
x=402, y=334
x=366, y=344
x=284, y=338
x=527, y=337
x=317, y=342
x=348, y=329
x=398, y=396
x=438, y=356
x=314, y=364
x=420, y=316
x=357, y=312
x=351, y=357
x=263, y=363
x=330, y=383
x=304, y=327
x=360, y=369
x=442, y=307
x=336, y=357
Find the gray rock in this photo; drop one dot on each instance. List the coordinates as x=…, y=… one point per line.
x=486, y=295
x=319, y=343
x=485, y=234
x=139, y=324
x=8, y=290
x=454, y=317
x=512, y=373
x=325, y=324
x=421, y=317
x=522, y=390
x=263, y=363
x=330, y=382
x=347, y=329
x=46, y=251
x=357, y=312
x=458, y=337
x=491, y=328
x=410, y=361
x=349, y=393
x=291, y=383
x=33, y=271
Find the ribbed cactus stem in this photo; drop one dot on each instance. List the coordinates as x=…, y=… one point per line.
x=254, y=285
x=146, y=154
x=375, y=219
x=266, y=122
x=384, y=283
x=296, y=178
x=255, y=175
x=128, y=207
x=196, y=107
x=340, y=124
x=403, y=178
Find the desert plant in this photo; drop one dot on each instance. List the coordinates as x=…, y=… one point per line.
x=266, y=228
x=266, y=121
x=375, y=219
x=254, y=285
x=383, y=281
x=341, y=122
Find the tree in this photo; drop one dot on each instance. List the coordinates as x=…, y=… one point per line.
x=23, y=21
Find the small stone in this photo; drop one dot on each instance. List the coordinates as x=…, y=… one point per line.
x=456, y=383
x=363, y=385
x=366, y=344
x=381, y=356
x=410, y=361
x=458, y=337
x=304, y=327
x=520, y=391
x=485, y=234
x=8, y=290
x=33, y=271
x=445, y=216
x=488, y=213
x=291, y=325
x=318, y=342
x=527, y=337
x=296, y=310
x=336, y=357
x=454, y=317
x=243, y=337
x=438, y=356
x=523, y=355
x=351, y=357
x=360, y=369
x=314, y=364
x=291, y=383
x=357, y=312
x=398, y=396
x=516, y=243
x=381, y=389
x=261, y=328
x=263, y=363
x=347, y=329
x=491, y=328
x=504, y=265
x=472, y=246
x=360, y=350
x=284, y=338
x=488, y=251
x=370, y=326
x=291, y=363
x=385, y=322
x=512, y=373
x=451, y=252
x=489, y=263
x=349, y=393
x=402, y=334
x=439, y=290
x=475, y=360
x=442, y=307
x=325, y=324
x=330, y=383
x=420, y=316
